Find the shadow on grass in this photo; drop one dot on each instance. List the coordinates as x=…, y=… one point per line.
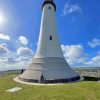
x=87, y=78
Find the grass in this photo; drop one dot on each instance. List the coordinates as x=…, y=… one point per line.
x=85, y=90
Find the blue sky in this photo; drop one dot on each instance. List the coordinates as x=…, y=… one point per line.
x=78, y=25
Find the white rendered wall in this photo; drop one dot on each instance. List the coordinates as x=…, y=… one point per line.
x=47, y=47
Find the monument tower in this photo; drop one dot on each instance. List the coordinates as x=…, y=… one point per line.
x=49, y=64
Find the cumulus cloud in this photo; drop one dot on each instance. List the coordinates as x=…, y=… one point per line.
x=3, y=50
x=21, y=58
x=16, y=60
x=10, y=63
x=23, y=40
x=10, y=60
x=4, y=37
x=74, y=54
x=24, y=51
x=73, y=51
x=95, y=42
x=94, y=62
x=71, y=8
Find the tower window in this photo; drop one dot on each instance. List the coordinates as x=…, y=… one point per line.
x=49, y=8
x=50, y=37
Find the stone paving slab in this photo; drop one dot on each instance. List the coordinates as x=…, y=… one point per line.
x=15, y=89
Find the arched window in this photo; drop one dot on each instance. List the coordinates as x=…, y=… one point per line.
x=50, y=37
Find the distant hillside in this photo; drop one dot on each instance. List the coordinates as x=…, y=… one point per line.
x=86, y=68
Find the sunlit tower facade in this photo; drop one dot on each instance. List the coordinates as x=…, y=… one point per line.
x=49, y=64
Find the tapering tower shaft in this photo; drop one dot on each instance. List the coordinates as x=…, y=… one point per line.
x=48, y=44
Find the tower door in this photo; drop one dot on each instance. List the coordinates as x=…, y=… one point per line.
x=42, y=79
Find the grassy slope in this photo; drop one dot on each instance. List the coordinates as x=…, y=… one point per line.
x=86, y=90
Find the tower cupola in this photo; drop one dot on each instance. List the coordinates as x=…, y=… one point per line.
x=48, y=2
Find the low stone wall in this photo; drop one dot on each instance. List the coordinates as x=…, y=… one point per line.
x=10, y=71
x=82, y=72
x=89, y=72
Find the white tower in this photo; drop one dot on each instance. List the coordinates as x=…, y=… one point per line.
x=48, y=64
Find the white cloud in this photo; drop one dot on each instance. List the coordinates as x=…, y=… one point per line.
x=71, y=8
x=21, y=58
x=94, y=62
x=24, y=51
x=10, y=60
x=16, y=60
x=95, y=42
x=3, y=50
x=73, y=51
x=11, y=63
x=23, y=40
x=4, y=37
x=74, y=54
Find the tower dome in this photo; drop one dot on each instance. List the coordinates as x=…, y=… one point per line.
x=49, y=2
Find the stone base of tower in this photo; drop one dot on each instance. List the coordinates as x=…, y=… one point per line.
x=51, y=81
x=49, y=70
